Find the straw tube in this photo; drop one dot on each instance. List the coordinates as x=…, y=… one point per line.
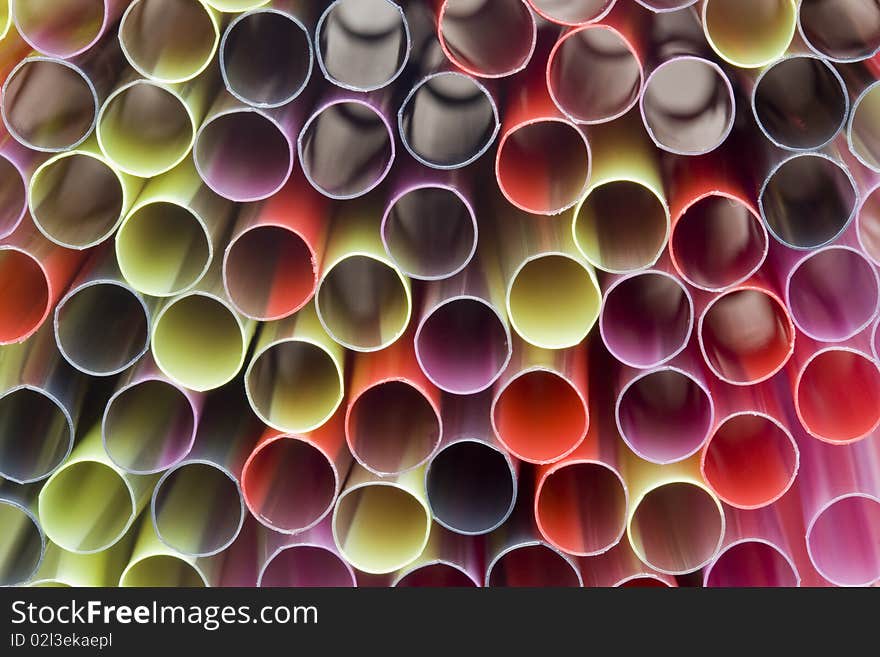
x=61, y=568
x=17, y=165
x=662, y=6
x=169, y=41
x=291, y=480
x=621, y=224
x=449, y=560
x=572, y=12
x=196, y=506
x=749, y=33
x=23, y=542
x=168, y=239
x=154, y=564
x=619, y=567
x=295, y=380
x=471, y=480
x=863, y=137
x=64, y=28
x=89, y=503
x=304, y=560
x=381, y=525
x=840, y=30
x=236, y=6
x=868, y=222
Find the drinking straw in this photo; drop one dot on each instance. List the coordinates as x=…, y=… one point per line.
x=619, y=567
x=34, y=273
x=867, y=224
x=382, y=524
x=580, y=501
x=572, y=12
x=544, y=160
x=675, y=523
x=463, y=342
x=304, y=560
x=751, y=458
x=471, y=480
x=539, y=408
x=266, y=54
x=745, y=333
x=246, y=153
x=197, y=506
x=272, y=262
x=23, y=543
x=749, y=33
x=449, y=560
x=429, y=227
x=862, y=136
x=149, y=423
x=487, y=38
x=236, y=6
x=154, y=564
x=64, y=28
x=346, y=147
x=61, y=568
x=146, y=128
x=594, y=73
x=840, y=30
x=169, y=41
x=17, y=164
x=102, y=325
x=89, y=503
x=168, y=239
x=78, y=198
x=292, y=480
x=363, y=301
x=661, y=6
x=295, y=379
x=665, y=414
x=840, y=501
x=621, y=224
x=546, y=272
x=5, y=19
x=199, y=340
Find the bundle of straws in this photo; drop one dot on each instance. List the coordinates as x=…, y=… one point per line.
x=440, y=292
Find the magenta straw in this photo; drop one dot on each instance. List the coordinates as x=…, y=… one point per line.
x=449, y=560
x=308, y=559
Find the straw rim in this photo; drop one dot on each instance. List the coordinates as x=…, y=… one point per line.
x=43, y=540
x=707, y=570
x=812, y=524
x=526, y=544
x=851, y=124
x=27, y=37
x=307, y=544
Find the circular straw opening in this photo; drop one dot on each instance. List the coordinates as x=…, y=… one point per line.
x=346, y=149
x=663, y=6
x=430, y=232
x=86, y=507
x=294, y=385
x=471, y=487
x=463, y=345
x=580, y=507
x=436, y=575
x=363, y=303
x=621, y=226
x=198, y=342
x=842, y=30
x=162, y=571
x=22, y=545
x=824, y=397
x=800, y=102
x=289, y=484
x=833, y=294
x=269, y=272
x=750, y=461
x=362, y=44
x=35, y=437
x=77, y=200
x=102, y=328
x=718, y=241
x=572, y=12
x=489, y=38
x=749, y=33
x=186, y=497
x=543, y=167
x=868, y=225
x=863, y=133
x=148, y=426
x=594, y=74
x=646, y=319
x=24, y=295
x=446, y=105
x=380, y=528
x=540, y=288
x=688, y=106
x=746, y=336
x=843, y=540
x=306, y=566
x=48, y=105
x=664, y=416
x=751, y=563
x=168, y=40
x=62, y=28
x=540, y=416
x=163, y=248
x=13, y=196
x=392, y=427
x=535, y=565
x=676, y=528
